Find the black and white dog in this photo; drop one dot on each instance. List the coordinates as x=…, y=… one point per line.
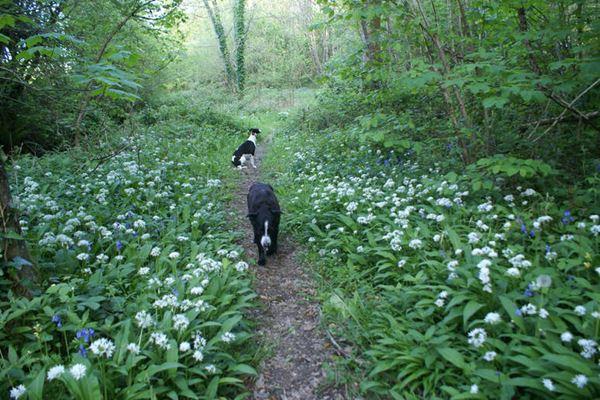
x=264, y=213
x=245, y=152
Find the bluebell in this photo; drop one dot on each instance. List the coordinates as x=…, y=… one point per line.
x=82, y=351
x=518, y=312
x=86, y=334
x=57, y=320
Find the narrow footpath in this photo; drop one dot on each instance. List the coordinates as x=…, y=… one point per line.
x=288, y=319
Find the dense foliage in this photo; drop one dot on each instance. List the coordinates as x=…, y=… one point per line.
x=143, y=287
x=442, y=291
x=69, y=69
x=485, y=78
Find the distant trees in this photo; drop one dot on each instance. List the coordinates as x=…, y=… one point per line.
x=235, y=72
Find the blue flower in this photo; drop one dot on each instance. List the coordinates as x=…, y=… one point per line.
x=57, y=320
x=523, y=228
x=518, y=312
x=119, y=245
x=548, y=249
x=532, y=234
x=86, y=334
x=528, y=292
x=82, y=351
x=567, y=217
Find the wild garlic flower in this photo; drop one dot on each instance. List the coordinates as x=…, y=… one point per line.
x=566, y=337
x=78, y=371
x=184, y=346
x=579, y=380
x=227, y=337
x=477, y=337
x=160, y=339
x=133, y=348
x=589, y=347
x=180, y=322
x=492, y=318
x=144, y=319
x=580, y=310
x=103, y=347
x=548, y=384
x=55, y=372
x=17, y=391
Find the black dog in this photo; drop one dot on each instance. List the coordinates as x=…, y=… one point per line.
x=264, y=213
x=246, y=151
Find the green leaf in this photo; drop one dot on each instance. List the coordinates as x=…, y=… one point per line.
x=453, y=356
x=213, y=387
x=511, y=309
x=471, y=308
x=244, y=369
x=155, y=369
x=36, y=388
x=11, y=235
x=495, y=102
x=572, y=363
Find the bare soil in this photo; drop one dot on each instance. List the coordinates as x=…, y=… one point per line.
x=288, y=321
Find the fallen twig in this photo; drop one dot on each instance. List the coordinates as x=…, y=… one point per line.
x=335, y=344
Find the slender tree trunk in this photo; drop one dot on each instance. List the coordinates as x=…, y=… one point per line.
x=466, y=32
x=26, y=277
x=215, y=19
x=240, y=44
x=442, y=56
x=369, y=32
x=523, y=28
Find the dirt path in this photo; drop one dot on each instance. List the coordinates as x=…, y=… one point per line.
x=288, y=321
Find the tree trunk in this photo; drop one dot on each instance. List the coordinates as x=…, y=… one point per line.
x=523, y=28
x=215, y=19
x=240, y=44
x=14, y=250
x=369, y=32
